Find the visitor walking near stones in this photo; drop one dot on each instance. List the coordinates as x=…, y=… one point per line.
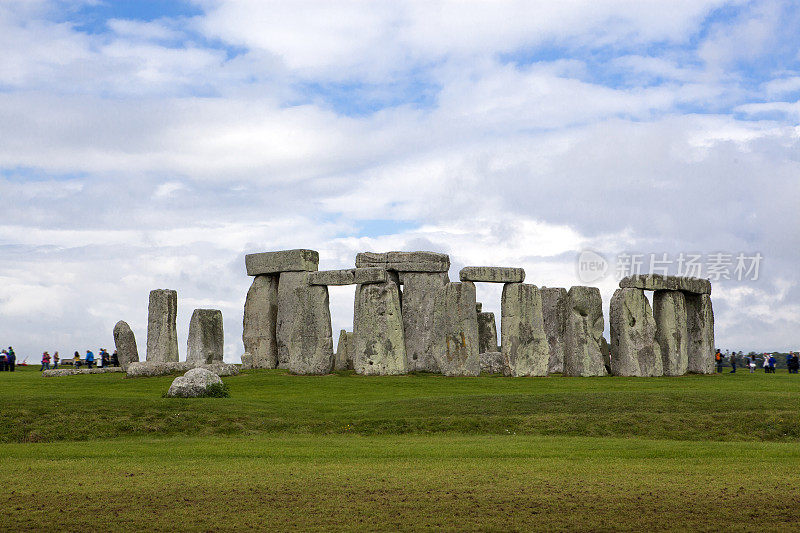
x=772, y=363
x=89, y=358
x=76, y=360
x=11, y=359
x=794, y=363
x=752, y=363
x=765, y=364
x=56, y=359
x=114, y=359
x=3, y=361
x=718, y=359
x=103, y=358
x=45, y=361
x=733, y=363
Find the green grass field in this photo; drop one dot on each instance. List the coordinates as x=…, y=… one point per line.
x=344, y=452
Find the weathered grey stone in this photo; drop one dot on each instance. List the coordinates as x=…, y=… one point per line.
x=193, y=384
x=419, y=295
x=479, y=307
x=669, y=311
x=344, y=351
x=492, y=274
x=455, y=324
x=378, y=343
x=372, y=275
x=206, y=343
x=658, y=282
x=260, y=323
x=153, y=369
x=524, y=343
x=281, y=261
x=333, y=277
x=405, y=261
x=162, y=335
x=287, y=312
x=492, y=362
x=125, y=343
x=700, y=324
x=487, y=333
x=634, y=351
x=584, y=333
x=59, y=372
x=554, y=315
x=307, y=333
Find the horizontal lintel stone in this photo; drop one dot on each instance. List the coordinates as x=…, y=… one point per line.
x=492, y=274
x=333, y=277
x=281, y=261
x=658, y=282
x=371, y=275
x=405, y=261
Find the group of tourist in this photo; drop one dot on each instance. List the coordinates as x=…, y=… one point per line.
x=77, y=362
x=767, y=361
x=8, y=360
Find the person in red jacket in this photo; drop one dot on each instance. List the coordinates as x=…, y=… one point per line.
x=45, y=361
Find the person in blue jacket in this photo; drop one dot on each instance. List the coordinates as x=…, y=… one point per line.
x=89, y=358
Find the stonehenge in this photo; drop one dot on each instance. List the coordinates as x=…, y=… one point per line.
x=162, y=335
x=206, y=342
x=125, y=344
x=409, y=317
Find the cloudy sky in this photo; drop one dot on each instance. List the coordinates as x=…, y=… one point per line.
x=152, y=144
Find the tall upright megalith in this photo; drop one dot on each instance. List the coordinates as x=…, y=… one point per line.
x=206, y=342
x=419, y=293
x=634, y=351
x=487, y=332
x=554, y=315
x=378, y=341
x=125, y=343
x=583, y=355
x=455, y=323
x=669, y=311
x=523, y=340
x=700, y=324
x=343, y=359
x=260, y=322
x=162, y=334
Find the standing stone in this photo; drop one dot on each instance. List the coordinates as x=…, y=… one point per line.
x=260, y=322
x=206, y=342
x=487, y=333
x=634, y=351
x=525, y=348
x=304, y=336
x=162, y=335
x=669, y=310
x=125, y=342
x=700, y=323
x=583, y=355
x=419, y=294
x=554, y=314
x=455, y=324
x=344, y=351
x=378, y=343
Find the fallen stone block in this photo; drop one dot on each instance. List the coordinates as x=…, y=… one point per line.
x=554, y=315
x=162, y=334
x=700, y=325
x=658, y=282
x=405, y=261
x=487, y=333
x=455, y=324
x=260, y=322
x=154, y=369
x=281, y=261
x=59, y=372
x=195, y=383
x=583, y=355
x=492, y=274
x=492, y=363
x=378, y=341
x=418, y=299
x=125, y=343
x=524, y=343
x=206, y=343
x=634, y=350
x=669, y=311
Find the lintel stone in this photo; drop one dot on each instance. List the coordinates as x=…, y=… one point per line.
x=405, y=261
x=282, y=261
x=333, y=277
x=658, y=282
x=492, y=274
